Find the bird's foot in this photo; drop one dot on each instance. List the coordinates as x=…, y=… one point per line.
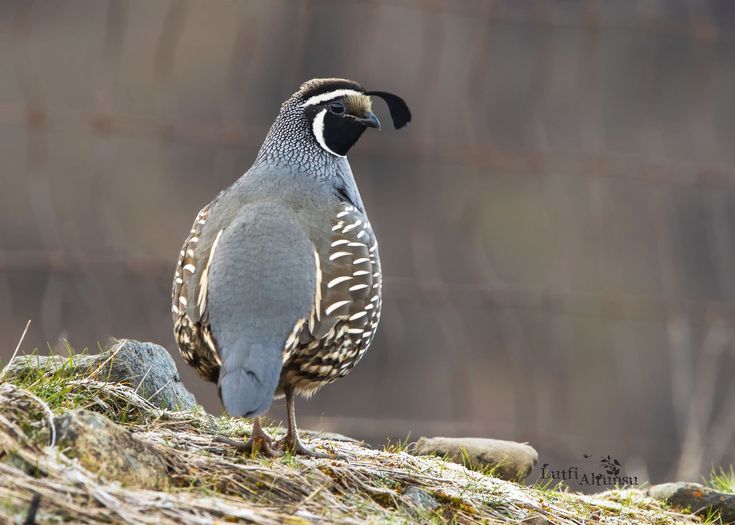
x=292, y=444
x=259, y=443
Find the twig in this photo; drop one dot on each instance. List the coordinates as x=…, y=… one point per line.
x=154, y=394
x=140, y=384
x=33, y=510
x=113, y=352
x=17, y=347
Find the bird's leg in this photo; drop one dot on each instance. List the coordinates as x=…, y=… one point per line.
x=259, y=441
x=291, y=441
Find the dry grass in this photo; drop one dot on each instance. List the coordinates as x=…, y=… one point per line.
x=212, y=483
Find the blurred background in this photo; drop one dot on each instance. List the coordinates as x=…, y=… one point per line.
x=557, y=225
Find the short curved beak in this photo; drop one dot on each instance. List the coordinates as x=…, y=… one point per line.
x=369, y=120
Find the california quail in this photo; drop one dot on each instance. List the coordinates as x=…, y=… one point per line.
x=278, y=286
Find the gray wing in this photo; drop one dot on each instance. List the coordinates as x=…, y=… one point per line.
x=346, y=311
x=188, y=298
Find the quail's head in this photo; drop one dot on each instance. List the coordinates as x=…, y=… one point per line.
x=337, y=111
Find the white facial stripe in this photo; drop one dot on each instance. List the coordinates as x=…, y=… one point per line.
x=318, y=99
x=318, y=127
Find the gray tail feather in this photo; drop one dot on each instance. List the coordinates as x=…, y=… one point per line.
x=248, y=379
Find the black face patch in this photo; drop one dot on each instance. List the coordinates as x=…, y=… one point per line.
x=341, y=132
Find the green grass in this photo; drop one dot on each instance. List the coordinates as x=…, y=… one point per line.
x=67, y=387
x=722, y=480
x=711, y=517
x=400, y=445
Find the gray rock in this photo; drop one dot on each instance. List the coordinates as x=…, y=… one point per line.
x=151, y=369
x=512, y=461
x=24, y=424
x=147, y=367
x=109, y=450
x=696, y=498
x=420, y=499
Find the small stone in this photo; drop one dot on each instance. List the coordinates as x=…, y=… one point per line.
x=696, y=498
x=109, y=450
x=420, y=499
x=512, y=461
x=146, y=367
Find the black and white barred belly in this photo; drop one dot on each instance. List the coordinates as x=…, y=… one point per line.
x=346, y=307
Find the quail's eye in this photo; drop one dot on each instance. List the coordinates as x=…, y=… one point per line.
x=337, y=108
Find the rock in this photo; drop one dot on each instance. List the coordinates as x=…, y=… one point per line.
x=152, y=367
x=109, y=450
x=512, y=461
x=147, y=367
x=695, y=497
x=21, y=409
x=422, y=500
x=23, y=423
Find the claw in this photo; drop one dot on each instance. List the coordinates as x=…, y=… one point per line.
x=251, y=446
x=259, y=443
x=291, y=442
x=294, y=445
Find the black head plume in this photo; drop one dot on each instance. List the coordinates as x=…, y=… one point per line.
x=398, y=108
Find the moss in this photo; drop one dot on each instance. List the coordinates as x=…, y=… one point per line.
x=454, y=502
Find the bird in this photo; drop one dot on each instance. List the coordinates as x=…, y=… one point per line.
x=278, y=287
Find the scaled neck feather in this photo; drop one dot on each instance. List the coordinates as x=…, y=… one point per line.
x=290, y=143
